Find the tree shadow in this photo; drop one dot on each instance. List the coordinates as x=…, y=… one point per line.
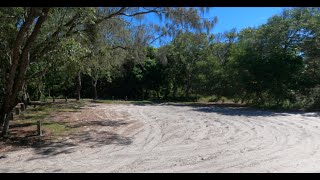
x=197, y=104
x=91, y=138
x=97, y=138
x=312, y=114
x=113, y=123
x=144, y=103
x=53, y=148
x=236, y=111
x=248, y=111
x=47, y=146
x=21, y=125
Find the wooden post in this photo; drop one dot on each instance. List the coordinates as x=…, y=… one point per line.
x=22, y=106
x=5, y=129
x=126, y=98
x=112, y=98
x=39, y=128
x=17, y=110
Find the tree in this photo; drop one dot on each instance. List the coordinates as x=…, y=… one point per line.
x=19, y=61
x=37, y=32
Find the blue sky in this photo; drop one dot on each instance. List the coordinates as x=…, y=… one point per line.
x=233, y=17
x=241, y=17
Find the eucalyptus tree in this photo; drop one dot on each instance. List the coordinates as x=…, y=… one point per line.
x=31, y=33
x=187, y=51
x=267, y=60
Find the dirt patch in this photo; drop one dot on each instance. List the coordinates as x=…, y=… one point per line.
x=58, y=125
x=171, y=138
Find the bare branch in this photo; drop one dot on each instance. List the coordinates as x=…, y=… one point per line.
x=38, y=74
x=141, y=13
x=24, y=59
x=119, y=12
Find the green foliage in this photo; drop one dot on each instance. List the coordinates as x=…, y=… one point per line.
x=273, y=65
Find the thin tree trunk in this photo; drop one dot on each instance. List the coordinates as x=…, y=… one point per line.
x=188, y=87
x=175, y=89
x=187, y=92
x=158, y=95
x=78, y=86
x=39, y=93
x=5, y=129
x=94, y=89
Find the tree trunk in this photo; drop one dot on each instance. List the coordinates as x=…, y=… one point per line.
x=17, y=109
x=22, y=107
x=78, y=86
x=144, y=93
x=188, y=87
x=5, y=129
x=175, y=89
x=187, y=92
x=39, y=93
x=94, y=89
x=20, y=61
x=27, y=102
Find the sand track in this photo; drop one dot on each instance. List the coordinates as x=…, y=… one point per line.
x=172, y=138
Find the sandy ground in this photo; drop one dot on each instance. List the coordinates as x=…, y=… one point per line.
x=174, y=138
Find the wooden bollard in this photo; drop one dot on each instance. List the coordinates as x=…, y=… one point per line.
x=39, y=128
x=22, y=107
x=17, y=110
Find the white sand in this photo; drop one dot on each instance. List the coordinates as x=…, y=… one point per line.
x=167, y=138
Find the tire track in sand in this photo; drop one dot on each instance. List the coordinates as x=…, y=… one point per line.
x=167, y=138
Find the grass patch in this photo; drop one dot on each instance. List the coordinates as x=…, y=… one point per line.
x=27, y=121
x=55, y=128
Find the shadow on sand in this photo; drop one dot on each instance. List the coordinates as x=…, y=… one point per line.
x=232, y=109
x=46, y=147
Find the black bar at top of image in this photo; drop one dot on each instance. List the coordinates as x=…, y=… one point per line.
x=189, y=3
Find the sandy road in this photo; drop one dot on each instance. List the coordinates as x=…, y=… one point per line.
x=172, y=138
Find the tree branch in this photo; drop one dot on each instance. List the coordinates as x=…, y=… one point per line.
x=140, y=13
x=24, y=58
x=38, y=74
x=50, y=41
x=121, y=10
x=15, y=50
